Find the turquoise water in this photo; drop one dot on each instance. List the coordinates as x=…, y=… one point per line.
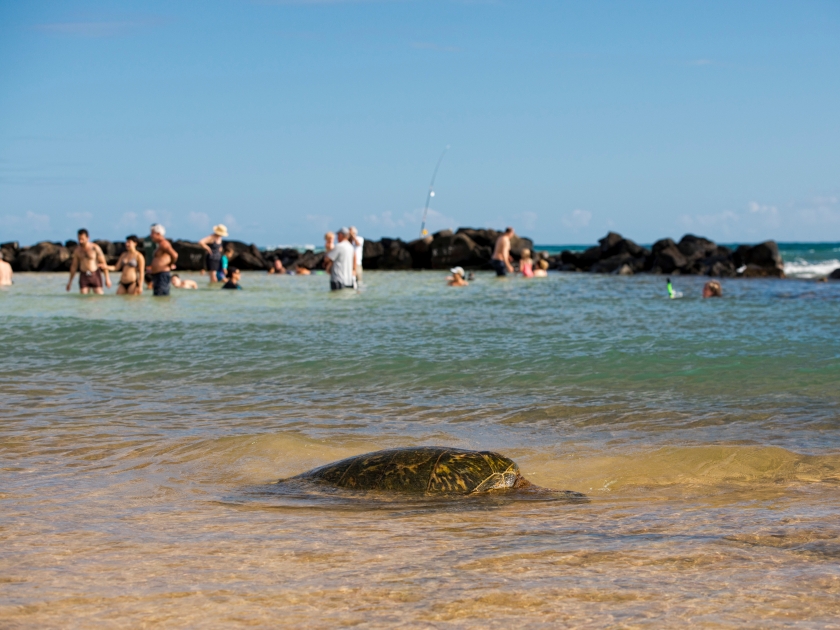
x=138, y=436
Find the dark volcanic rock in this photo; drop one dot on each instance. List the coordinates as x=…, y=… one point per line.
x=450, y=250
x=696, y=247
x=10, y=252
x=310, y=260
x=111, y=250
x=191, y=256
x=372, y=252
x=43, y=256
x=834, y=275
x=667, y=257
x=421, y=252
x=395, y=255
x=246, y=257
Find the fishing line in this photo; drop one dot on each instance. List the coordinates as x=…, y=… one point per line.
x=431, y=194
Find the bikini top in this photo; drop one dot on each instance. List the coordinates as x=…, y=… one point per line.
x=131, y=263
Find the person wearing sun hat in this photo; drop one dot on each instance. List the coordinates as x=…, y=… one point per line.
x=213, y=245
x=457, y=277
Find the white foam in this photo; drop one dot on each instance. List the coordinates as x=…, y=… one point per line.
x=801, y=268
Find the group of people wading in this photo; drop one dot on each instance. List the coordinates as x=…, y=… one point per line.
x=89, y=262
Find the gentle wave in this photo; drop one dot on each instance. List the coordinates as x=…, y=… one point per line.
x=800, y=268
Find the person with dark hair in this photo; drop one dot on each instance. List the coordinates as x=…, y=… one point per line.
x=132, y=265
x=501, y=260
x=163, y=261
x=90, y=262
x=233, y=278
x=227, y=256
x=183, y=283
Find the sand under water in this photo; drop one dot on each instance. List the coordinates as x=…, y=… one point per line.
x=140, y=439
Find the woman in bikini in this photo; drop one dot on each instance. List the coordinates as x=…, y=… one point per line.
x=132, y=265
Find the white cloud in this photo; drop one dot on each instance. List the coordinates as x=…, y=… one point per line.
x=769, y=214
x=408, y=224
x=577, y=219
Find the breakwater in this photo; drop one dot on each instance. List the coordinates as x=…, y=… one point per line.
x=468, y=247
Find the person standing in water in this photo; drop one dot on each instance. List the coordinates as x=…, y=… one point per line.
x=329, y=241
x=213, y=245
x=526, y=264
x=132, y=265
x=89, y=261
x=501, y=259
x=5, y=271
x=163, y=261
x=358, y=244
x=340, y=262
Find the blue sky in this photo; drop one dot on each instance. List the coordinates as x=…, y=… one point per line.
x=283, y=119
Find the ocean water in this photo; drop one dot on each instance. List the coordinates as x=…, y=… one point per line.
x=140, y=439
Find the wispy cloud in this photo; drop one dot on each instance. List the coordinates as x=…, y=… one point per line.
x=701, y=62
x=577, y=219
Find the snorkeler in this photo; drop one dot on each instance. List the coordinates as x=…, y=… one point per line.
x=671, y=293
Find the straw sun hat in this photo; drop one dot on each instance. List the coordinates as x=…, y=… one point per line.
x=220, y=230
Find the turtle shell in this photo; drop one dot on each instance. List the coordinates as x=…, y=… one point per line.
x=425, y=469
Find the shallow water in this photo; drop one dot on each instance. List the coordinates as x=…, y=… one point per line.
x=140, y=438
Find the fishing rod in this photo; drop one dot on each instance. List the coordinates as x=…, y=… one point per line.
x=431, y=194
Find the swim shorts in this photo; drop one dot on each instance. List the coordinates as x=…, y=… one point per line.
x=499, y=266
x=90, y=279
x=161, y=282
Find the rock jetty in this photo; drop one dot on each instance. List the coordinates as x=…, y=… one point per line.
x=467, y=247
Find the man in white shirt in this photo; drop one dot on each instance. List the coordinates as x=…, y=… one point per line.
x=340, y=261
x=358, y=244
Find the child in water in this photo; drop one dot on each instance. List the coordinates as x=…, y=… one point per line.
x=526, y=265
x=542, y=269
x=229, y=253
x=178, y=283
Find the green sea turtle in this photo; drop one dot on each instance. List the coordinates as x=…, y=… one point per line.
x=427, y=469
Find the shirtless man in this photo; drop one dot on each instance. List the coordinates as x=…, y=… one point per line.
x=89, y=261
x=5, y=272
x=163, y=261
x=501, y=259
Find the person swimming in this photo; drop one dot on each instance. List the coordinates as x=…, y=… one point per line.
x=457, y=277
x=712, y=289
x=179, y=283
x=542, y=269
x=671, y=293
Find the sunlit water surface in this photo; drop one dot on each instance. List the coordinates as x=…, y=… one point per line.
x=140, y=438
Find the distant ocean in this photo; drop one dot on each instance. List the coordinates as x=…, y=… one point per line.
x=802, y=260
